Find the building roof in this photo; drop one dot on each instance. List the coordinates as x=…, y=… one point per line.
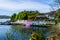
x=41, y=16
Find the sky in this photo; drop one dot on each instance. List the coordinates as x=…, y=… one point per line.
x=8, y=7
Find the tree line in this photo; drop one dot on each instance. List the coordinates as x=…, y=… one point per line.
x=25, y=15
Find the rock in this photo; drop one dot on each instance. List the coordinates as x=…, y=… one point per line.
x=34, y=36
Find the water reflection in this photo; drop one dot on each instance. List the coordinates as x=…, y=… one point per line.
x=17, y=32
x=4, y=20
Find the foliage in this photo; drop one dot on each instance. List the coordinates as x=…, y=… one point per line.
x=9, y=36
x=13, y=17
x=37, y=35
x=25, y=15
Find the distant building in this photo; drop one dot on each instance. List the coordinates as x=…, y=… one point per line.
x=50, y=17
x=18, y=22
x=41, y=17
x=39, y=23
x=27, y=22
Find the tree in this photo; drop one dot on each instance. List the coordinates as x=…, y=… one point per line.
x=25, y=15
x=56, y=4
x=13, y=17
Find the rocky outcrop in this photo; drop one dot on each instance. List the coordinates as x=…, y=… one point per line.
x=34, y=36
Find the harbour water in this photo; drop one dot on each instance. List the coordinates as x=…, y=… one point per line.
x=16, y=32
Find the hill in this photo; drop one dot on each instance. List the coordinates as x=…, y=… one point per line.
x=4, y=16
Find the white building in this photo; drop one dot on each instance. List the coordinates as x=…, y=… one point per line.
x=18, y=22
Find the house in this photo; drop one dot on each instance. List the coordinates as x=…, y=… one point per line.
x=18, y=22
x=27, y=22
x=51, y=17
x=39, y=22
x=41, y=17
x=35, y=22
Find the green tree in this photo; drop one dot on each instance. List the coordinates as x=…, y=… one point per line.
x=25, y=15
x=13, y=17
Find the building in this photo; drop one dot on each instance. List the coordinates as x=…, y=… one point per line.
x=41, y=17
x=27, y=22
x=39, y=23
x=18, y=22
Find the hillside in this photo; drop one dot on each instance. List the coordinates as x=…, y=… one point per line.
x=4, y=16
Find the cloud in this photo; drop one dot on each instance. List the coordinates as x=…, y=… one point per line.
x=23, y=5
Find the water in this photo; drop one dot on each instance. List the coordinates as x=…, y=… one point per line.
x=16, y=32
x=3, y=30
x=4, y=20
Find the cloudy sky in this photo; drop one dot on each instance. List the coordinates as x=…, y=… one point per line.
x=8, y=7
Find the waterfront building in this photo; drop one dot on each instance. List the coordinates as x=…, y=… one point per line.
x=27, y=22
x=41, y=17
x=18, y=22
